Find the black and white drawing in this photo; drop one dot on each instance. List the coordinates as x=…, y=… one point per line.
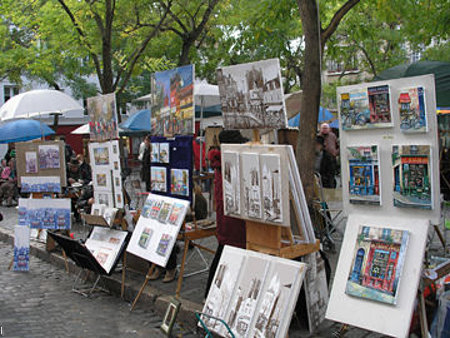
x=271, y=187
x=231, y=183
x=251, y=184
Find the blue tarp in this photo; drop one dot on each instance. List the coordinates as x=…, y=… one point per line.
x=324, y=116
x=23, y=130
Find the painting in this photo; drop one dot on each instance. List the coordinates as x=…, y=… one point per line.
x=158, y=179
x=154, y=155
x=31, y=162
x=164, y=151
x=354, y=110
x=411, y=105
x=173, y=102
x=42, y=214
x=364, y=173
x=179, y=182
x=102, y=181
x=98, y=209
x=49, y=156
x=104, y=197
x=101, y=155
x=271, y=187
x=377, y=265
x=251, y=179
x=119, y=200
x=21, y=260
x=251, y=95
x=103, y=117
x=40, y=184
x=157, y=229
x=231, y=183
x=380, y=107
x=412, y=174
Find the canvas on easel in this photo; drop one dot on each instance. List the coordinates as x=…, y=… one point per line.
x=103, y=117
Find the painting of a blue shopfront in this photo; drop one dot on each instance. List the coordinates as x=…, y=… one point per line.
x=364, y=177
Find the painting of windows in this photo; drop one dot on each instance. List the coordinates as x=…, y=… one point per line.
x=377, y=264
x=231, y=183
x=412, y=176
x=364, y=175
x=251, y=185
x=411, y=105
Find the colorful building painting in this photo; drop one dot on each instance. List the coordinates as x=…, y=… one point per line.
x=412, y=186
x=377, y=264
x=411, y=103
x=364, y=178
x=379, y=106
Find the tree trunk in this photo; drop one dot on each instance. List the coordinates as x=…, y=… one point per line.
x=184, y=55
x=311, y=85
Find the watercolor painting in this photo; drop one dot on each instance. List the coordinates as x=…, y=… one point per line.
x=163, y=245
x=251, y=184
x=179, y=182
x=231, y=183
x=164, y=151
x=103, y=117
x=354, y=110
x=21, y=260
x=364, y=173
x=101, y=155
x=378, y=259
x=31, y=162
x=413, y=117
x=154, y=154
x=158, y=181
x=49, y=156
x=411, y=165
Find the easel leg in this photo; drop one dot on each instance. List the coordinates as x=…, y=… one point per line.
x=11, y=264
x=439, y=233
x=66, y=263
x=147, y=278
x=423, y=315
x=124, y=267
x=341, y=331
x=183, y=262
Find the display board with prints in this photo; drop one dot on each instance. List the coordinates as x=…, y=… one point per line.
x=157, y=228
x=106, y=173
x=103, y=117
x=386, y=168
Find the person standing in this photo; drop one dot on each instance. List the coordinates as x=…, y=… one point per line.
x=331, y=148
x=145, y=170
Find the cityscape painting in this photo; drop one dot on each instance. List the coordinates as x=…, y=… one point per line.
x=378, y=259
x=271, y=187
x=251, y=183
x=231, y=183
x=411, y=103
x=252, y=96
x=103, y=117
x=364, y=175
x=173, y=102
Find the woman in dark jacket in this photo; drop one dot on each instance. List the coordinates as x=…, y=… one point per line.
x=230, y=231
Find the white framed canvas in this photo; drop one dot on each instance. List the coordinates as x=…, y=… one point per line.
x=99, y=154
x=157, y=229
x=271, y=187
x=251, y=95
x=251, y=185
x=102, y=180
x=21, y=261
x=104, y=197
x=231, y=183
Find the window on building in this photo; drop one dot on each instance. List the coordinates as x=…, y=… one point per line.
x=365, y=231
x=9, y=92
x=386, y=234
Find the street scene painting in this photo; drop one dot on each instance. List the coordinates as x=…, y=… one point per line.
x=364, y=175
x=38, y=214
x=231, y=183
x=377, y=265
x=411, y=165
x=154, y=154
x=101, y=155
x=49, y=156
x=164, y=153
x=31, y=166
x=103, y=117
x=380, y=107
x=271, y=187
x=411, y=103
x=252, y=96
x=21, y=260
x=354, y=110
x=158, y=179
x=179, y=182
x=173, y=102
x=251, y=184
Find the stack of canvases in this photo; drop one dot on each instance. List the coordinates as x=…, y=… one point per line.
x=390, y=192
x=105, y=156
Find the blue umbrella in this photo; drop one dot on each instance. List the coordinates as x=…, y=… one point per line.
x=324, y=115
x=138, y=121
x=23, y=130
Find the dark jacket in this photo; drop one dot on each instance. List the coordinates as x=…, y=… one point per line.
x=230, y=231
x=145, y=170
x=85, y=173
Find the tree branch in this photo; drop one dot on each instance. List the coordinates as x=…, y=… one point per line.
x=336, y=20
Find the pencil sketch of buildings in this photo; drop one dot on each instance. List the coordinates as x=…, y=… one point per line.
x=251, y=184
x=231, y=183
x=271, y=187
x=251, y=95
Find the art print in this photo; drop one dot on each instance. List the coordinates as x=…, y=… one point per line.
x=31, y=166
x=377, y=265
x=145, y=237
x=252, y=96
x=411, y=102
x=179, y=182
x=175, y=214
x=154, y=154
x=158, y=181
x=119, y=200
x=163, y=245
x=40, y=214
x=147, y=208
x=364, y=173
x=411, y=166
x=40, y=184
x=101, y=180
x=21, y=261
x=101, y=155
x=231, y=183
x=380, y=107
x=103, y=117
x=98, y=209
x=164, y=212
x=354, y=110
x=105, y=198
x=156, y=207
x=49, y=156
x=173, y=102
x=164, y=156
x=271, y=187
x=251, y=185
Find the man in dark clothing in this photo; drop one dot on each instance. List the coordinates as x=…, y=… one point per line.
x=325, y=164
x=85, y=169
x=145, y=170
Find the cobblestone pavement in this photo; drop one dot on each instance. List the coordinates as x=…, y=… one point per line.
x=40, y=303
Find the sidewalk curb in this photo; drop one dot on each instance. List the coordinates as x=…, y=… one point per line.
x=152, y=297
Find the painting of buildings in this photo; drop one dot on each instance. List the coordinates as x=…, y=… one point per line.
x=411, y=102
x=158, y=179
x=380, y=107
x=364, y=177
x=412, y=176
x=354, y=110
x=251, y=95
x=377, y=264
x=173, y=102
x=231, y=183
x=251, y=183
x=271, y=187
x=103, y=117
